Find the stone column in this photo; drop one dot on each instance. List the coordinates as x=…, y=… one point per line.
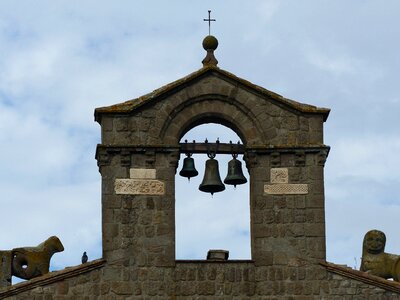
x=287, y=208
x=138, y=200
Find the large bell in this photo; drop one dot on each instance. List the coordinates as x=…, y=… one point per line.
x=235, y=174
x=212, y=182
x=188, y=168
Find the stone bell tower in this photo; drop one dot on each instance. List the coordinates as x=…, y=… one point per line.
x=285, y=155
x=284, y=152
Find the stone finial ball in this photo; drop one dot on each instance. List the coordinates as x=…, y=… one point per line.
x=210, y=43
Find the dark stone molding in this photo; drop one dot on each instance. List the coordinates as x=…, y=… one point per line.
x=103, y=152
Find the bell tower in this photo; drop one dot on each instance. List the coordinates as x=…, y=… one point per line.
x=284, y=153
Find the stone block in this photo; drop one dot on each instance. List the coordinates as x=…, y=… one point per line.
x=279, y=175
x=186, y=289
x=317, y=229
x=107, y=124
x=122, y=288
x=248, y=288
x=280, y=258
x=315, y=201
x=112, y=202
x=142, y=173
x=263, y=258
x=121, y=124
x=110, y=230
x=104, y=288
x=62, y=288
x=206, y=288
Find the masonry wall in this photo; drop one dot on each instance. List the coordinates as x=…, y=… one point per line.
x=202, y=280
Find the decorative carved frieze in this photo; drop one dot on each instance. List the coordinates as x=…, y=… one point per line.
x=285, y=189
x=139, y=187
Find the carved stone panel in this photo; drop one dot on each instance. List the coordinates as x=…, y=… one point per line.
x=279, y=175
x=285, y=189
x=139, y=187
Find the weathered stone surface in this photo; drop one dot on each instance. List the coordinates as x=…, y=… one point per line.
x=139, y=187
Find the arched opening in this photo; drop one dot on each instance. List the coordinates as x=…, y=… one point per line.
x=204, y=222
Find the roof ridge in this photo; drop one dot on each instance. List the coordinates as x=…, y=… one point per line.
x=365, y=277
x=51, y=277
x=137, y=102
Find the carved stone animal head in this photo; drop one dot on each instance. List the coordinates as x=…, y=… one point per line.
x=374, y=242
x=53, y=244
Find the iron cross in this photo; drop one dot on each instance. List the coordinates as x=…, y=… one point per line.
x=209, y=22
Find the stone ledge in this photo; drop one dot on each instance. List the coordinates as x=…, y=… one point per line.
x=379, y=282
x=205, y=261
x=51, y=277
x=261, y=149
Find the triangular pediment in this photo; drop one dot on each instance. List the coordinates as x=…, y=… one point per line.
x=151, y=98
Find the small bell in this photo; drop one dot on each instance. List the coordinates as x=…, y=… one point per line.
x=212, y=182
x=235, y=174
x=188, y=168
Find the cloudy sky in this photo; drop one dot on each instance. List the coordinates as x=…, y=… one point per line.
x=59, y=60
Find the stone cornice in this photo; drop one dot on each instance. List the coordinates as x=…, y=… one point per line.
x=116, y=148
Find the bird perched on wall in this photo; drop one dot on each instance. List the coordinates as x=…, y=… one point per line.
x=84, y=257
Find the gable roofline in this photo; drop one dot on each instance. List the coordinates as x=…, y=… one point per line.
x=133, y=104
x=50, y=278
x=392, y=286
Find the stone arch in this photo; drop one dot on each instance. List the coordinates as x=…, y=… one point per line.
x=212, y=108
